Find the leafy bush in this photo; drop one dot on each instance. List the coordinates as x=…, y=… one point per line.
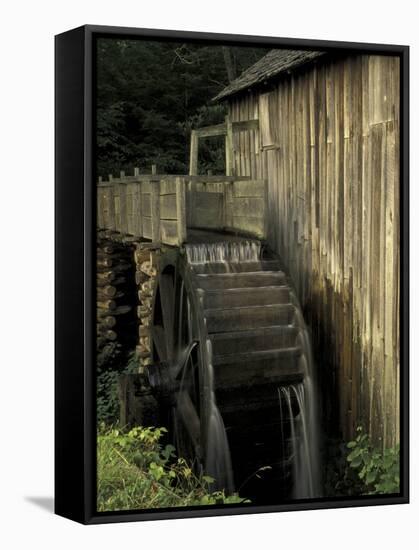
x=108, y=372
x=378, y=470
x=136, y=472
x=339, y=479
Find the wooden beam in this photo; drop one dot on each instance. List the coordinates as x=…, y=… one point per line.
x=211, y=131
x=229, y=148
x=244, y=125
x=137, y=218
x=193, y=159
x=188, y=177
x=110, y=204
x=181, y=209
x=123, y=208
x=100, y=220
x=155, y=211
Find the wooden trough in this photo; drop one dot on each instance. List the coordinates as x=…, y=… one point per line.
x=165, y=208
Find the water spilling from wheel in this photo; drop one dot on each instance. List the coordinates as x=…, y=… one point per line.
x=259, y=380
x=228, y=253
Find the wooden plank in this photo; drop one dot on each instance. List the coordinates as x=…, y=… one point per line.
x=207, y=210
x=129, y=206
x=265, y=121
x=193, y=158
x=246, y=125
x=211, y=131
x=146, y=186
x=249, y=225
x=146, y=204
x=100, y=211
x=168, y=207
x=110, y=208
x=229, y=152
x=181, y=209
x=169, y=234
x=249, y=206
x=155, y=211
x=252, y=188
x=168, y=186
x=123, y=224
x=147, y=228
x=137, y=210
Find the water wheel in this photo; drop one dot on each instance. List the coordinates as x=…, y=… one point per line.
x=225, y=337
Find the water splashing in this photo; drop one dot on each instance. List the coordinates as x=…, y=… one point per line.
x=303, y=444
x=304, y=438
x=218, y=459
x=223, y=252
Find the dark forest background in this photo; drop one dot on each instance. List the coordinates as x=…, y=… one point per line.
x=151, y=94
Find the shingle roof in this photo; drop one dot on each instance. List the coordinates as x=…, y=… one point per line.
x=272, y=64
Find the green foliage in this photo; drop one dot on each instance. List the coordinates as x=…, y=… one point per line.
x=149, y=96
x=136, y=472
x=339, y=479
x=108, y=371
x=378, y=470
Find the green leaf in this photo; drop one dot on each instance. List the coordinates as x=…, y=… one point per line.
x=208, y=479
x=356, y=462
x=370, y=478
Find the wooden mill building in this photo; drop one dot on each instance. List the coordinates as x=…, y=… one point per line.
x=327, y=142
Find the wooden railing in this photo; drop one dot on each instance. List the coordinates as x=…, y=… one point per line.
x=162, y=208
x=227, y=129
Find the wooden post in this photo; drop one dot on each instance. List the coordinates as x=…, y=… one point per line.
x=229, y=147
x=136, y=209
x=193, y=159
x=110, y=203
x=136, y=172
x=122, y=174
x=181, y=209
x=153, y=169
x=99, y=180
x=155, y=211
x=123, y=208
x=265, y=212
x=100, y=220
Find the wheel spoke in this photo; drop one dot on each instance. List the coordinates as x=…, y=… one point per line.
x=184, y=357
x=159, y=339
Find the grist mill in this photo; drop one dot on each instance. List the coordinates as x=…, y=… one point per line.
x=263, y=303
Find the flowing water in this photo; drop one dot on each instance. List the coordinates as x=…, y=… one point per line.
x=297, y=402
x=229, y=252
x=218, y=459
x=303, y=440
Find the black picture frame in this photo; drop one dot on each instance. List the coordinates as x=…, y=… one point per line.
x=75, y=446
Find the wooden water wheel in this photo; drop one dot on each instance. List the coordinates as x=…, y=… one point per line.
x=227, y=340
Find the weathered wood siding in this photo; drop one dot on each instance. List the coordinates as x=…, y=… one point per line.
x=161, y=208
x=232, y=205
x=328, y=144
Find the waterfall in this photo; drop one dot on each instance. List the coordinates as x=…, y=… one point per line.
x=296, y=401
x=302, y=440
x=218, y=459
x=304, y=427
x=223, y=252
